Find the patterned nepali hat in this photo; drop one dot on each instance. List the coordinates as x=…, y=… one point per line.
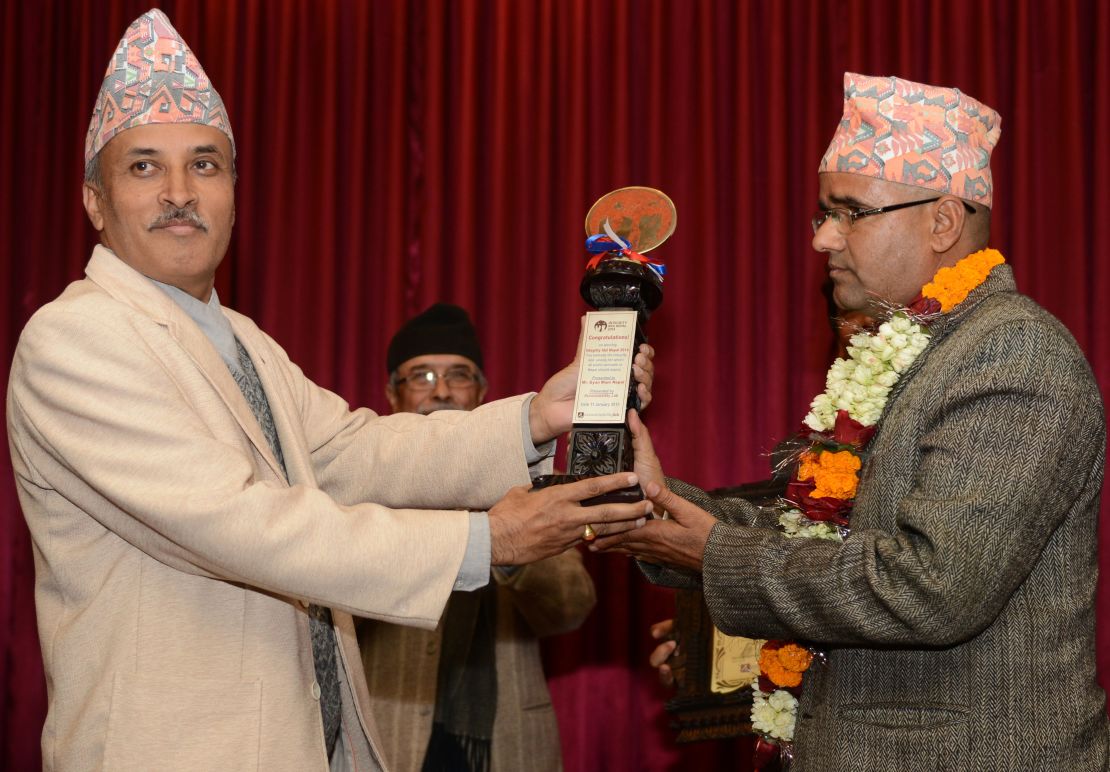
x=153, y=77
x=928, y=136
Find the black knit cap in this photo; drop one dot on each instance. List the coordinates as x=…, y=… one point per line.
x=441, y=329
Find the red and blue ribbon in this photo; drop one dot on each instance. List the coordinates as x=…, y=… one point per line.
x=603, y=243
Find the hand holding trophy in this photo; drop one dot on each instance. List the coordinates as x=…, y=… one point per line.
x=625, y=288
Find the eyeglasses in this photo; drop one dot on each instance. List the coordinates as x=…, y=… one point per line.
x=845, y=217
x=457, y=378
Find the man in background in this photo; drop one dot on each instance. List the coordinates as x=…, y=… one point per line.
x=470, y=694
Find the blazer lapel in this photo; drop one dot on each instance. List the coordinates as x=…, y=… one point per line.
x=127, y=285
x=1000, y=279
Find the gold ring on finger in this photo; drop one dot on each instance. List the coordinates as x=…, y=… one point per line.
x=589, y=534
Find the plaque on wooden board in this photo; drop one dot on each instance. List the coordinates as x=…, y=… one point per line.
x=713, y=671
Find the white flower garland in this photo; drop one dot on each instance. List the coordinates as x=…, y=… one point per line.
x=861, y=383
x=774, y=715
x=795, y=525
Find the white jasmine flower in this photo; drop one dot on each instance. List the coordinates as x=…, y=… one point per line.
x=902, y=360
x=902, y=323
x=790, y=518
x=774, y=715
x=795, y=525
x=860, y=340
x=781, y=699
x=821, y=403
x=884, y=351
x=839, y=371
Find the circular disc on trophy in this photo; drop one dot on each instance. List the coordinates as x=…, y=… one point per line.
x=643, y=217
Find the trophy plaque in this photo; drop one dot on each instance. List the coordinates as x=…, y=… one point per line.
x=624, y=287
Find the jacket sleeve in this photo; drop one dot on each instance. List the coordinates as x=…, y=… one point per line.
x=1012, y=448
x=728, y=510
x=451, y=459
x=100, y=428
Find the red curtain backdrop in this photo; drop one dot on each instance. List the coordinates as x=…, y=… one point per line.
x=392, y=154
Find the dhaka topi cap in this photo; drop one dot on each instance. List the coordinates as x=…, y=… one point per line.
x=441, y=329
x=153, y=77
x=916, y=134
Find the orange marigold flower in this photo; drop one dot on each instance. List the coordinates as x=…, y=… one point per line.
x=784, y=663
x=836, y=485
x=840, y=461
x=952, y=285
x=795, y=657
x=808, y=465
x=834, y=474
x=787, y=679
x=778, y=675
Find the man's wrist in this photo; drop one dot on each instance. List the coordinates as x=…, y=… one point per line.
x=537, y=422
x=534, y=453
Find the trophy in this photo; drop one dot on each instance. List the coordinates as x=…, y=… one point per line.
x=624, y=287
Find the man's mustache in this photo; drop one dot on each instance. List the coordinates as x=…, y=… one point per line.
x=178, y=216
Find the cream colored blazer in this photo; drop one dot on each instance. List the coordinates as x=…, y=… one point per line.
x=173, y=561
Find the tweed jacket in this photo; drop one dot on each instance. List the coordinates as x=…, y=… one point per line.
x=958, y=616
x=174, y=562
x=546, y=598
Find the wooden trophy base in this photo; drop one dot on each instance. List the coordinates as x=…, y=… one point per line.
x=593, y=451
x=621, y=496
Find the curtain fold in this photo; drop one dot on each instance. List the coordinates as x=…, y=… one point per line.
x=393, y=154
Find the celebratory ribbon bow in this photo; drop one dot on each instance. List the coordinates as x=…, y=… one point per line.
x=610, y=242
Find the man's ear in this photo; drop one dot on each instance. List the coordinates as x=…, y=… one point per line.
x=949, y=220
x=391, y=395
x=93, y=201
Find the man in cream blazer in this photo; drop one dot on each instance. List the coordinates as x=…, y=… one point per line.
x=204, y=518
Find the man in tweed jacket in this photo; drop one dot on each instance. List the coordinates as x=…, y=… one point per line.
x=958, y=614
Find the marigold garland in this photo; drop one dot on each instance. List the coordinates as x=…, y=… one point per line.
x=951, y=286
x=834, y=473
x=783, y=663
x=841, y=421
